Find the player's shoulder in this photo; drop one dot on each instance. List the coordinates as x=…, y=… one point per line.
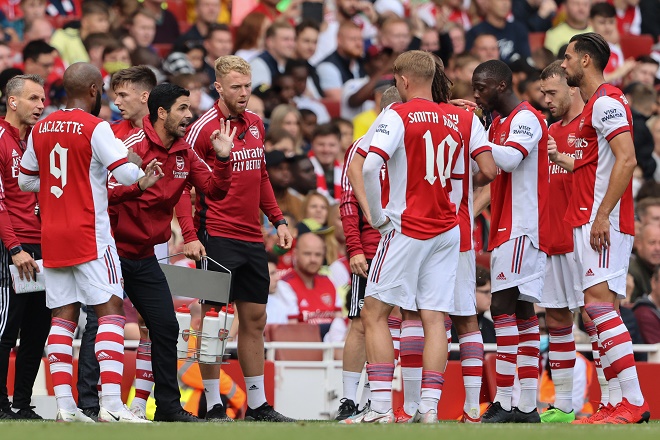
x=135, y=138
x=208, y=120
x=352, y=149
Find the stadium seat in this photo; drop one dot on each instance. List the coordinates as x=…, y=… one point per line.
x=333, y=107
x=648, y=374
x=633, y=46
x=178, y=9
x=297, y=333
x=163, y=49
x=536, y=40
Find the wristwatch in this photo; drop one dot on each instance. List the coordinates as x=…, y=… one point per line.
x=16, y=250
x=280, y=223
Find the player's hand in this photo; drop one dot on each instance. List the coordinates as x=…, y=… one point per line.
x=25, y=264
x=553, y=153
x=359, y=265
x=600, y=233
x=152, y=174
x=463, y=103
x=285, y=240
x=223, y=139
x=133, y=157
x=194, y=250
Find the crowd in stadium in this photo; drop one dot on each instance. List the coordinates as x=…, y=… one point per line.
x=317, y=74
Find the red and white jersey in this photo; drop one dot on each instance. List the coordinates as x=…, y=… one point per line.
x=420, y=144
x=317, y=305
x=124, y=128
x=629, y=20
x=72, y=151
x=474, y=143
x=519, y=200
x=605, y=116
x=561, y=186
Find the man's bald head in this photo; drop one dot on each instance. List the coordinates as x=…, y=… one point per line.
x=83, y=83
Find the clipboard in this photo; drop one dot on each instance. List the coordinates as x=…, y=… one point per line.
x=25, y=286
x=199, y=283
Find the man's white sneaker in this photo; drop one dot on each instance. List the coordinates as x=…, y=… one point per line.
x=357, y=418
x=139, y=413
x=428, y=417
x=376, y=417
x=72, y=417
x=123, y=415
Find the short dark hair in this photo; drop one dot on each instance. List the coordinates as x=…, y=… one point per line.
x=497, y=70
x=646, y=59
x=328, y=129
x=164, y=95
x=602, y=9
x=141, y=76
x=532, y=78
x=307, y=24
x=553, y=69
x=35, y=48
x=216, y=27
x=306, y=112
x=95, y=7
x=272, y=29
x=295, y=64
x=113, y=46
x=595, y=46
x=98, y=39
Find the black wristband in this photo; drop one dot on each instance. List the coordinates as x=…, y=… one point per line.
x=222, y=159
x=138, y=185
x=280, y=223
x=16, y=250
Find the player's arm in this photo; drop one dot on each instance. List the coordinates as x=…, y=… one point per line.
x=28, y=177
x=215, y=184
x=481, y=153
x=22, y=260
x=563, y=160
x=481, y=200
x=112, y=154
x=524, y=136
x=349, y=210
x=192, y=247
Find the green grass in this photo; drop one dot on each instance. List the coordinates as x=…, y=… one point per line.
x=320, y=431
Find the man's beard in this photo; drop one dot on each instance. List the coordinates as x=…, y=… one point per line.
x=172, y=129
x=97, y=106
x=575, y=80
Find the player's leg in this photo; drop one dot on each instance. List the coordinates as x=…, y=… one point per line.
x=88, y=367
x=411, y=354
x=595, y=352
x=10, y=322
x=144, y=377
x=472, y=360
x=529, y=340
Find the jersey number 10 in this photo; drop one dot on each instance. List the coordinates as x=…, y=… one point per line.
x=442, y=163
x=59, y=172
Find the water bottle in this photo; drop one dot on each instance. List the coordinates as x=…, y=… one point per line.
x=183, y=318
x=226, y=316
x=210, y=330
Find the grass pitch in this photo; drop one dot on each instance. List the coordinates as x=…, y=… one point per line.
x=314, y=430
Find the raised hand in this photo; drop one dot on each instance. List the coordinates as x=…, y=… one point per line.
x=152, y=174
x=223, y=139
x=552, y=149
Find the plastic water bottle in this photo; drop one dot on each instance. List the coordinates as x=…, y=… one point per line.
x=183, y=318
x=210, y=330
x=226, y=316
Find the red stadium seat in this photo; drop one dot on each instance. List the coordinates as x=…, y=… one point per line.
x=536, y=40
x=297, y=333
x=333, y=107
x=163, y=49
x=633, y=46
x=179, y=10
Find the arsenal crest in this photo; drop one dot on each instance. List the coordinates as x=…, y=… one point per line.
x=571, y=140
x=502, y=138
x=581, y=124
x=254, y=131
x=327, y=299
x=180, y=163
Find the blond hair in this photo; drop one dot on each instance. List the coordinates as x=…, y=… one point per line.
x=231, y=63
x=415, y=63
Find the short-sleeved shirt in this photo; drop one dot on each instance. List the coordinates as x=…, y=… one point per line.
x=72, y=151
x=605, y=116
x=317, y=305
x=420, y=145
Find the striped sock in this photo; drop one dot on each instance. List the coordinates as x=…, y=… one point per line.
x=611, y=381
x=506, y=334
x=380, y=380
x=144, y=376
x=615, y=339
x=412, y=349
x=595, y=353
x=394, y=324
x=562, y=363
x=60, y=359
x=110, y=354
x=528, y=362
x=432, y=382
x=472, y=362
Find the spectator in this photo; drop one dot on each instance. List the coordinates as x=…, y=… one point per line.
x=647, y=311
x=530, y=91
x=115, y=57
x=628, y=17
x=654, y=126
x=287, y=117
x=648, y=211
x=206, y=14
x=642, y=99
x=283, y=85
x=542, y=58
x=193, y=84
x=326, y=146
x=343, y=64
x=430, y=41
x=577, y=22
x=457, y=36
x=278, y=139
x=645, y=71
x=346, y=129
x=299, y=71
x=602, y=18
x=5, y=56
x=648, y=257
x=280, y=45
x=309, y=296
x=250, y=35
x=256, y=106
x=69, y=41
x=537, y=15
x=95, y=45
x=463, y=66
x=303, y=177
x=217, y=43
x=307, y=35
x=363, y=120
x=39, y=59
x=276, y=312
x=316, y=213
x=142, y=27
x=32, y=10
x=167, y=26
x=308, y=124
x=357, y=95
x=485, y=48
x=395, y=34
x=650, y=10
x=440, y=14
x=39, y=29
x=511, y=36
x=279, y=171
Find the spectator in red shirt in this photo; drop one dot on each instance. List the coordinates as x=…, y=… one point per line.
x=647, y=311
